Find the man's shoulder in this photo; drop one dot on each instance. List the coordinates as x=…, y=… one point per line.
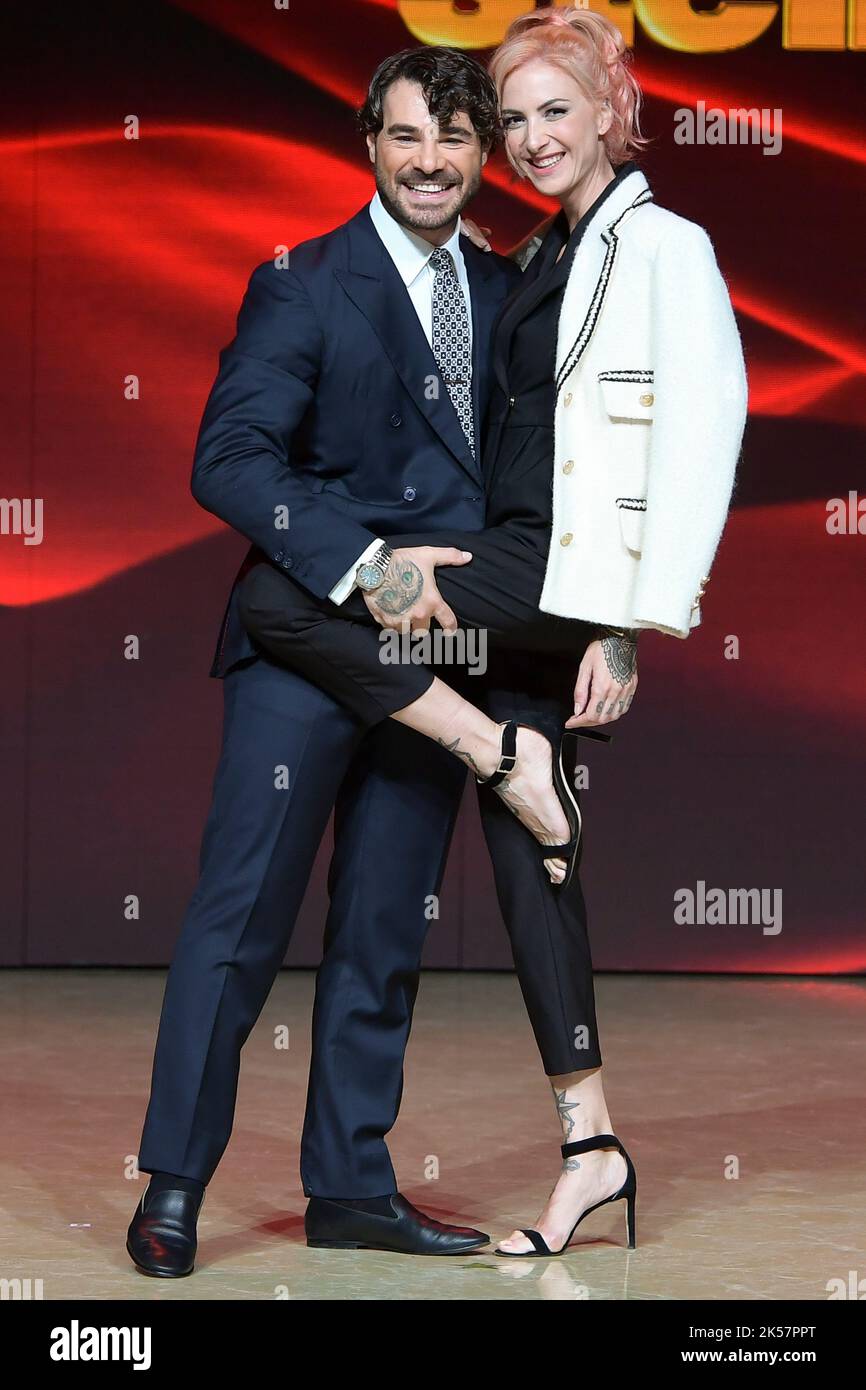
x=509, y=268
x=309, y=259
x=490, y=261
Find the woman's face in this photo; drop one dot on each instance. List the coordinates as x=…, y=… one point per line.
x=551, y=129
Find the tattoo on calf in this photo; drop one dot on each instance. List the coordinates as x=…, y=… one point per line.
x=467, y=757
x=402, y=586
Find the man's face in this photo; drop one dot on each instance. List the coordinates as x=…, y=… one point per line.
x=425, y=173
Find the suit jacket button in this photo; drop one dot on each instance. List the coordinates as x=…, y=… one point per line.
x=396, y=420
x=566, y=539
x=568, y=465
x=568, y=398
x=278, y=556
x=647, y=398
x=409, y=494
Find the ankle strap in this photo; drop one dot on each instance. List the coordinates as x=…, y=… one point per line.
x=507, y=755
x=595, y=1141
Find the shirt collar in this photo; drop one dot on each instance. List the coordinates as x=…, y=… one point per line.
x=409, y=252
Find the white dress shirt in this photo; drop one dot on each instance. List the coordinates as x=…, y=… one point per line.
x=411, y=256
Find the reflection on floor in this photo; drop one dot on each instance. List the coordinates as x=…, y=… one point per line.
x=741, y=1101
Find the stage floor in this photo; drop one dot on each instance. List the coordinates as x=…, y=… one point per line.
x=704, y=1075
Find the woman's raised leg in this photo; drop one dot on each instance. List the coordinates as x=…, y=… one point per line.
x=470, y=734
x=340, y=651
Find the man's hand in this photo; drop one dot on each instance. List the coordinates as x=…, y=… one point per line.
x=408, y=597
x=606, y=682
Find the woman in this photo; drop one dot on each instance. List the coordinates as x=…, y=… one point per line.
x=609, y=457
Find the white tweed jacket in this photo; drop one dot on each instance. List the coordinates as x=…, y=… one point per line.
x=650, y=410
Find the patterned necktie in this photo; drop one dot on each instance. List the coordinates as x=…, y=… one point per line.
x=451, y=339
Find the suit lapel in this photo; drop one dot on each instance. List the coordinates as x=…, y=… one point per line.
x=591, y=271
x=374, y=286
x=485, y=297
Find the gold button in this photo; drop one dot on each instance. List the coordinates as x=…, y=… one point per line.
x=568, y=465
x=647, y=398
x=567, y=400
x=566, y=539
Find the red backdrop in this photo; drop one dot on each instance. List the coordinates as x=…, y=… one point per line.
x=124, y=261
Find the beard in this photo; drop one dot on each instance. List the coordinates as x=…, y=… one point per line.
x=420, y=218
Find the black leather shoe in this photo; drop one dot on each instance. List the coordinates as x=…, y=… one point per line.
x=161, y=1239
x=330, y=1226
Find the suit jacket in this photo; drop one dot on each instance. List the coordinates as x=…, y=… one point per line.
x=650, y=409
x=329, y=423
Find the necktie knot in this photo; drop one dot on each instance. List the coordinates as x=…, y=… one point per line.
x=440, y=259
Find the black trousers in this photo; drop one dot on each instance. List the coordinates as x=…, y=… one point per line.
x=531, y=666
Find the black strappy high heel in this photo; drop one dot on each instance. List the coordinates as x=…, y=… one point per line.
x=628, y=1191
x=570, y=851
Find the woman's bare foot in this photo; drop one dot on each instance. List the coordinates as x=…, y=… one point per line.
x=529, y=792
x=585, y=1179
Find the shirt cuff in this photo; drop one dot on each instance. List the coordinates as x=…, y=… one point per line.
x=344, y=586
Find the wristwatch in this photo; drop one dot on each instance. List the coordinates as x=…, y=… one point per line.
x=372, y=573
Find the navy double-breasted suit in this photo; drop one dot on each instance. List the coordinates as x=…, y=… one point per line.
x=329, y=413
x=328, y=425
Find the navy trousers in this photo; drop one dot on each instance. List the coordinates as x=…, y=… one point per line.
x=396, y=797
x=338, y=649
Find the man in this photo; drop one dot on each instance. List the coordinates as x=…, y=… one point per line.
x=348, y=407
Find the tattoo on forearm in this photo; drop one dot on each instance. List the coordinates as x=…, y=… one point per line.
x=563, y=1109
x=401, y=587
x=467, y=757
x=620, y=654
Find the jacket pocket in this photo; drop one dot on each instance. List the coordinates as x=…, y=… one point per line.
x=628, y=395
x=632, y=511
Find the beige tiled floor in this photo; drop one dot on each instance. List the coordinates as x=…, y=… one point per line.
x=702, y=1074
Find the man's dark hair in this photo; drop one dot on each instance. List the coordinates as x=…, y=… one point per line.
x=450, y=80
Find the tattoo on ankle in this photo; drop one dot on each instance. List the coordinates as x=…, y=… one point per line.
x=563, y=1110
x=467, y=757
x=402, y=585
x=571, y=1165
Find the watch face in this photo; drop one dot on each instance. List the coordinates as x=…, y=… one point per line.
x=369, y=577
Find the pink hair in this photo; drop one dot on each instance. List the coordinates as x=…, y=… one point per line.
x=591, y=50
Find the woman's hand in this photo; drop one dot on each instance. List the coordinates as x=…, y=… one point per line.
x=477, y=235
x=606, y=681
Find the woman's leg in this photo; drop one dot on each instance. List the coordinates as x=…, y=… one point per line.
x=470, y=734
x=339, y=649
x=585, y=1179
x=551, y=949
